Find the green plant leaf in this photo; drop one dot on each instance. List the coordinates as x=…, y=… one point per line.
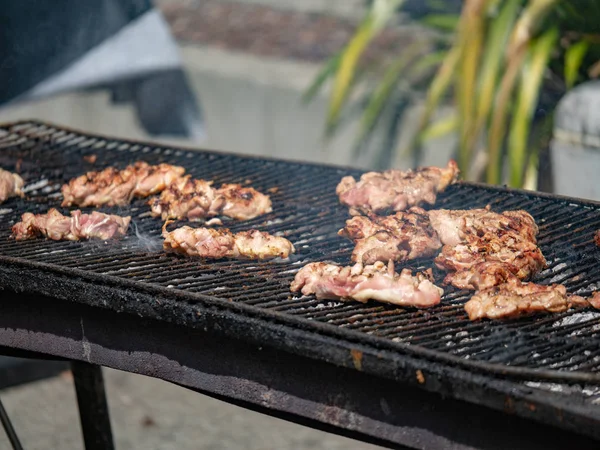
x=530, y=83
x=380, y=13
x=438, y=87
x=329, y=69
x=499, y=33
x=440, y=128
x=527, y=25
x=573, y=58
x=382, y=94
x=443, y=22
x=346, y=70
x=471, y=42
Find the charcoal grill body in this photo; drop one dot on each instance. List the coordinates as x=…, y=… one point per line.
x=231, y=329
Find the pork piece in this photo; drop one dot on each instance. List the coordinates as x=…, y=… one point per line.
x=362, y=283
x=113, y=187
x=222, y=243
x=197, y=199
x=403, y=236
x=243, y=203
x=186, y=197
x=11, y=185
x=482, y=275
x=484, y=261
x=483, y=248
x=53, y=225
x=453, y=226
x=395, y=190
x=516, y=298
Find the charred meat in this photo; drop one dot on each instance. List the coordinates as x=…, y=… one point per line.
x=400, y=237
x=243, y=203
x=362, y=283
x=113, y=187
x=11, y=185
x=516, y=298
x=53, y=225
x=197, y=199
x=483, y=248
x=395, y=190
x=186, y=197
x=488, y=259
x=222, y=243
x=454, y=226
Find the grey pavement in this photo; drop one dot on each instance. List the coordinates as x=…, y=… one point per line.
x=152, y=414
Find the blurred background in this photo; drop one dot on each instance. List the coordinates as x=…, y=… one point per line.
x=507, y=87
x=367, y=83
x=248, y=64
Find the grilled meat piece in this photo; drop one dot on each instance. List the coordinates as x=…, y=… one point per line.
x=395, y=190
x=197, y=199
x=483, y=248
x=594, y=300
x=476, y=263
x=11, y=185
x=53, y=225
x=362, y=283
x=243, y=203
x=403, y=236
x=113, y=187
x=453, y=226
x=515, y=298
x=222, y=243
x=481, y=275
x=186, y=197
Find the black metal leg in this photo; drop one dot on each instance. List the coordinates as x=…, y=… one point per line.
x=10, y=431
x=93, y=409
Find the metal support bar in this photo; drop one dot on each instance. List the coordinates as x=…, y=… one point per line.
x=8, y=428
x=93, y=408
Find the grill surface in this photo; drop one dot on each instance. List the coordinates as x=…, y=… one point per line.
x=559, y=348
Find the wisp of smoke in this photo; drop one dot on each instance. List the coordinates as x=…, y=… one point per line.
x=145, y=241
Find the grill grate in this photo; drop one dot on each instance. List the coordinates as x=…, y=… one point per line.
x=306, y=211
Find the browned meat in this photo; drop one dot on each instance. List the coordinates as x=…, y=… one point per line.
x=515, y=298
x=481, y=256
x=243, y=203
x=453, y=226
x=597, y=237
x=194, y=199
x=483, y=248
x=10, y=185
x=594, y=300
x=362, y=283
x=57, y=227
x=216, y=244
x=481, y=275
x=403, y=236
x=197, y=199
x=114, y=187
x=395, y=190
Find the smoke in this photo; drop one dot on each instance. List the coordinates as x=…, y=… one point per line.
x=144, y=241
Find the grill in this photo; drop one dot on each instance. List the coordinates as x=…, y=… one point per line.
x=546, y=356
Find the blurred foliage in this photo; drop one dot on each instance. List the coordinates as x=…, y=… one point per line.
x=494, y=61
